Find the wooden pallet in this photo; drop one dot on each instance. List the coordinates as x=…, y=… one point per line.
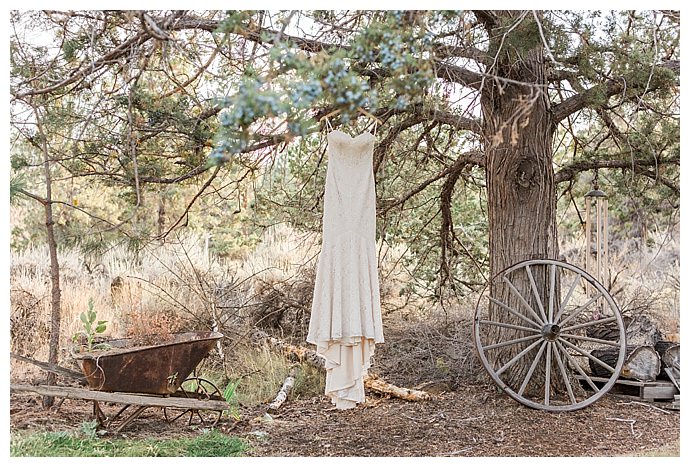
x=643, y=390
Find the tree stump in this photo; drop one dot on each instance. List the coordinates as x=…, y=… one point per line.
x=642, y=329
x=641, y=363
x=670, y=358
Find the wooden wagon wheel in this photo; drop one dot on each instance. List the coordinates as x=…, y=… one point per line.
x=539, y=325
x=200, y=389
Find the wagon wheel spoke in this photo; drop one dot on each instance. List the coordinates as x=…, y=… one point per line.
x=537, y=297
x=509, y=326
x=532, y=367
x=581, y=308
x=587, y=354
x=540, y=326
x=564, y=374
x=201, y=389
x=516, y=358
x=566, y=300
x=552, y=291
x=594, y=322
x=577, y=367
x=547, y=378
x=591, y=339
x=512, y=342
x=516, y=313
x=523, y=301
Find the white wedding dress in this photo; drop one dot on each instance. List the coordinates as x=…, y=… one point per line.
x=345, y=320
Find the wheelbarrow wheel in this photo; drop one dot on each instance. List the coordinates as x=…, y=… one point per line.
x=540, y=325
x=200, y=389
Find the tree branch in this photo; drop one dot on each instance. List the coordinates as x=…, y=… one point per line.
x=568, y=172
x=443, y=51
x=600, y=94
x=468, y=158
x=191, y=203
x=33, y=196
x=445, y=71
x=90, y=67
x=654, y=175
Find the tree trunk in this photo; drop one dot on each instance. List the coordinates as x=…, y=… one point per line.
x=55, y=294
x=518, y=134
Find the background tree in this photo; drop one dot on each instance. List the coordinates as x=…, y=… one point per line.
x=107, y=102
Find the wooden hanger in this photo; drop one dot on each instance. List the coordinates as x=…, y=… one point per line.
x=330, y=114
x=371, y=116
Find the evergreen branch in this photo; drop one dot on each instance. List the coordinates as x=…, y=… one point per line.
x=568, y=172
x=598, y=95
x=449, y=72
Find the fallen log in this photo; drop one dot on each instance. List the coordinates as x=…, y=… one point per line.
x=283, y=394
x=641, y=363
x=376, y=384
x=670, y=359
x=669, y=352
x=641, y=329
x=371, y=381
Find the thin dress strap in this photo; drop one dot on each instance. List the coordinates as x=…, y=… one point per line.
x=329, y=127
x=375, y=126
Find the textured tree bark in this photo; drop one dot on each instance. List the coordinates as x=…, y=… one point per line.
x=518, y=134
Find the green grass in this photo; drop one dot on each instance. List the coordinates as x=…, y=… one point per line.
x=66, y=444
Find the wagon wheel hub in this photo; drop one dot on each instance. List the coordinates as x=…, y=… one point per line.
x=551, y=331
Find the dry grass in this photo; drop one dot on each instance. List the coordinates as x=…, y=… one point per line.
x=261, y=372
x=644, y=277
x=161, y=290
x=172, y=287
x=180, y=286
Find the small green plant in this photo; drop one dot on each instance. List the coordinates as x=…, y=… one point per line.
x=89, y=429
x=92, y=327
x=230, y=395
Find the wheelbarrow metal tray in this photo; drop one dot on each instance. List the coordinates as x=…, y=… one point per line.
x=149, y=369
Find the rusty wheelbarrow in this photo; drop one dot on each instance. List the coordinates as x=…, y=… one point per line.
x=143, y=376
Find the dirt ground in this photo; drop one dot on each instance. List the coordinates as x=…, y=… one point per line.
x=472, y=420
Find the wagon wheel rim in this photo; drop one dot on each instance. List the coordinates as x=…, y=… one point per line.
x=552, y=334
x=201, y=389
